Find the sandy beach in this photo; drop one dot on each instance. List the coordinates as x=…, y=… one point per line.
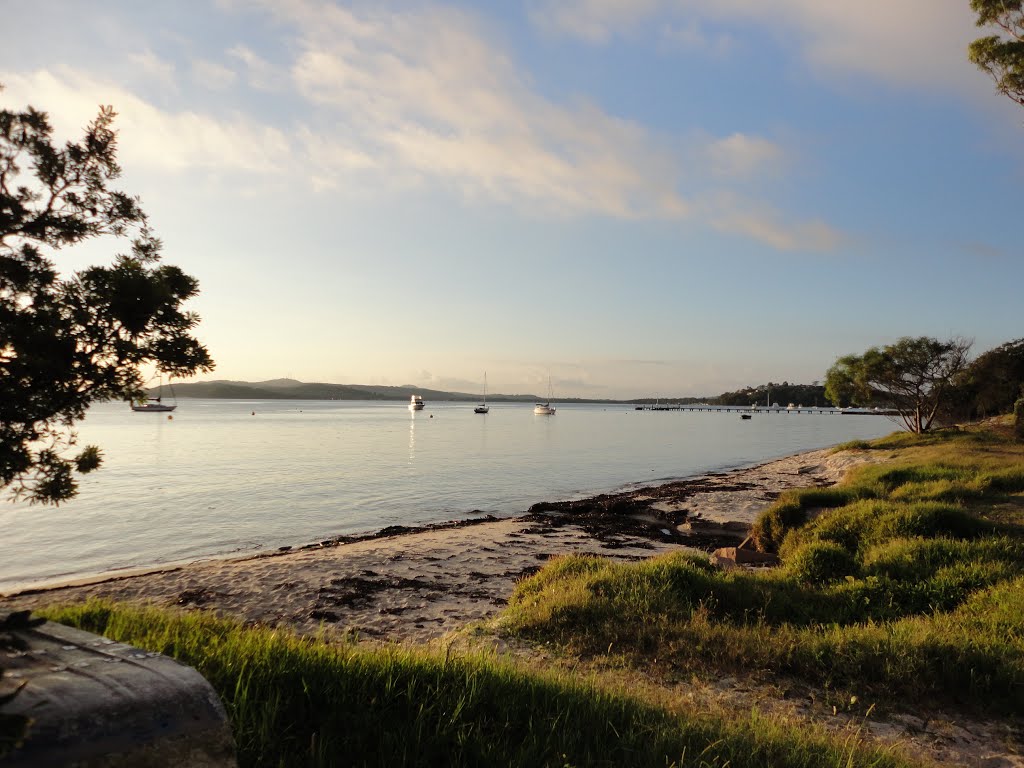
x=418, y=584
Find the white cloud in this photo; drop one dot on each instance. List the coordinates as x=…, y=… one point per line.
x=210, y=74
x=691, y=35
x=595, y=21
x=765, y=224
x=909, y=43
x=426, y=95
x=152, y=67
x=741, y=156
x=385, y=100
x=262, y=75
x=150, y=137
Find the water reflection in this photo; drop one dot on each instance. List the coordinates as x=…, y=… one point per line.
x=412, y=436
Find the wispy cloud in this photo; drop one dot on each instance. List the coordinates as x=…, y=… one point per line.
x=150, y=66
x=906, y=43
x=152, y=138
x=691, y=35
x=377, y=99
x=765, y=224
x=427, y=94
x=260, y=73
x=985, y=251
x=212, y=75
x=595, y=21
x=741, y=156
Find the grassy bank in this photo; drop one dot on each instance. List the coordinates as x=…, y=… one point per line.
x=295, y=701
x=905, y=584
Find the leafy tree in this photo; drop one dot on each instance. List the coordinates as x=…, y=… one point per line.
x=68, y=342
x=1002, y=56
x=912, y=376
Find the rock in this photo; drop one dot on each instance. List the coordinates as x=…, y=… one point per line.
x=734, y=556
x=697, y=524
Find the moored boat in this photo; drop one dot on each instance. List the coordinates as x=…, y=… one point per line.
x=545, y=409
x=156, y=405
x=482, y=408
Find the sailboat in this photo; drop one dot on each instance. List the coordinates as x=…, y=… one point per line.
x=482, y=408
x=155, y=405
x=545, y=409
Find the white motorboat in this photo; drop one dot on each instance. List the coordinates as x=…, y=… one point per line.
x=416, y=403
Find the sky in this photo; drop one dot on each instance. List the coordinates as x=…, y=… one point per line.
x=635, y=198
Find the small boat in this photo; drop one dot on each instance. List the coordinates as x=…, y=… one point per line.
x=745, y=416
x=416, y=403
x=545, y=409
x=155, y=405
x=482, y=408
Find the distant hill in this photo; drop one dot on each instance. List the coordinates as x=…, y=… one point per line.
x=290, y=389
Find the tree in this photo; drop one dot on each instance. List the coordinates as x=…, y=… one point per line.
x=68, y=342
x=912, y=376
x=1002, y=56
x=992, y=383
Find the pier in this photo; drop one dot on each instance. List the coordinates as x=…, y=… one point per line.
x=748, y=409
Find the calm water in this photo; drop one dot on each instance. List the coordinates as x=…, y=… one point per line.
x=216, y=479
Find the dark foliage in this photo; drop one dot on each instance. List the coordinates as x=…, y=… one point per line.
x=783, y=394
x=68, y=342
x=991, y=384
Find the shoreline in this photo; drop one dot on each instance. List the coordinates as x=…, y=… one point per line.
x=418, y=583
x=474, y=517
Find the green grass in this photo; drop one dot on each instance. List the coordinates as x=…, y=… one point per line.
x=294, y=701
x=895, y=586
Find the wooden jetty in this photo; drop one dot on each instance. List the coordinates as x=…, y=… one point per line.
x=828, y=410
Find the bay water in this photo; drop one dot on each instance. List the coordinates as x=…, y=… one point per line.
x=224, y=477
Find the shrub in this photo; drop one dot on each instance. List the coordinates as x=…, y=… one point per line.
x=1005, y=480
x=853, y=445
x=774, y=523
x=917, y=559
x=822, y=562
x=928, y=519
x=1018, y=424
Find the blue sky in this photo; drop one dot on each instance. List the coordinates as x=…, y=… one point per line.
x=635, y=198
